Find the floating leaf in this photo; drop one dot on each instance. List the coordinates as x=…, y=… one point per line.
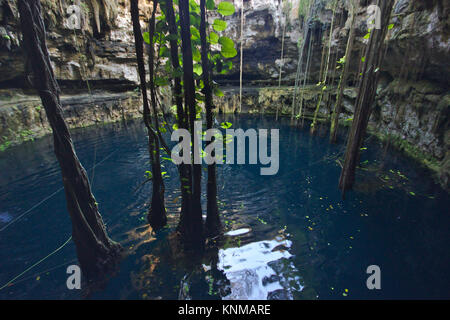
x=226, y=125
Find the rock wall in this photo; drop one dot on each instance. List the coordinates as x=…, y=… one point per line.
x=22, y=117
x=413, y=95
x=100, y=48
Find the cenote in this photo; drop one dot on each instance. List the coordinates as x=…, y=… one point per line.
x=287, y=236
x=343, y=105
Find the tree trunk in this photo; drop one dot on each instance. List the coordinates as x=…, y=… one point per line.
x=308, y=59
x=157, y=211
x=185, y=170
x=192, y=229
x=281, y=61
x=343, y=79
x=213, y=225
x=95, y=250
x=241, y=62
x=325, y=73
x=365, y=98
x=157, y=214
x=307, y=32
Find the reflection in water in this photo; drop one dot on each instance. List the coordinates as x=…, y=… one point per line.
x=5, y=217
x=260, y=270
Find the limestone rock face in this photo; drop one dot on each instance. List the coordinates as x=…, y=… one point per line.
x=100, y=46
x=22, y=117
x=413, y=94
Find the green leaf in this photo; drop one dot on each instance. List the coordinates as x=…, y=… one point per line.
x=226, y=8
x=367, y=36
x=194, y=7
x=195, y=34
x=226, y=42
x=196, y=56
x=198, y=69
x=218, y=92
x=160, y=81
x=226, y=125
x=213, y=38
x=171, y=37
x=210, y=5
x=363, y=59
x=228, y=52
x=227, y=49
x=146, y=37
x=219, y=25
x=390, y=26
x=177, y=73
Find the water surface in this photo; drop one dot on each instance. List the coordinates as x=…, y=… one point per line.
x=291, y=235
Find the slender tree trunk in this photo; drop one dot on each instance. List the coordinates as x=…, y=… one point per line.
x=366, y=96
x=95, y=250
x=281, y=61
x=192, y=228
x=343, y=78
x=325, y=73
x=157, y=212
x=307, y=32
x=213, y=225
x=308, y=59
x=241, y=62
x=157, y=215
x=185, y=170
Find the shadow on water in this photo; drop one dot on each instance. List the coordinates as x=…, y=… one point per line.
x=288, y=236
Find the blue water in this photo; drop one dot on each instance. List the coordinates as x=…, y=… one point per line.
x=293, y=236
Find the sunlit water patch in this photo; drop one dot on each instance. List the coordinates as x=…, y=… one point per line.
x=260, y=270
